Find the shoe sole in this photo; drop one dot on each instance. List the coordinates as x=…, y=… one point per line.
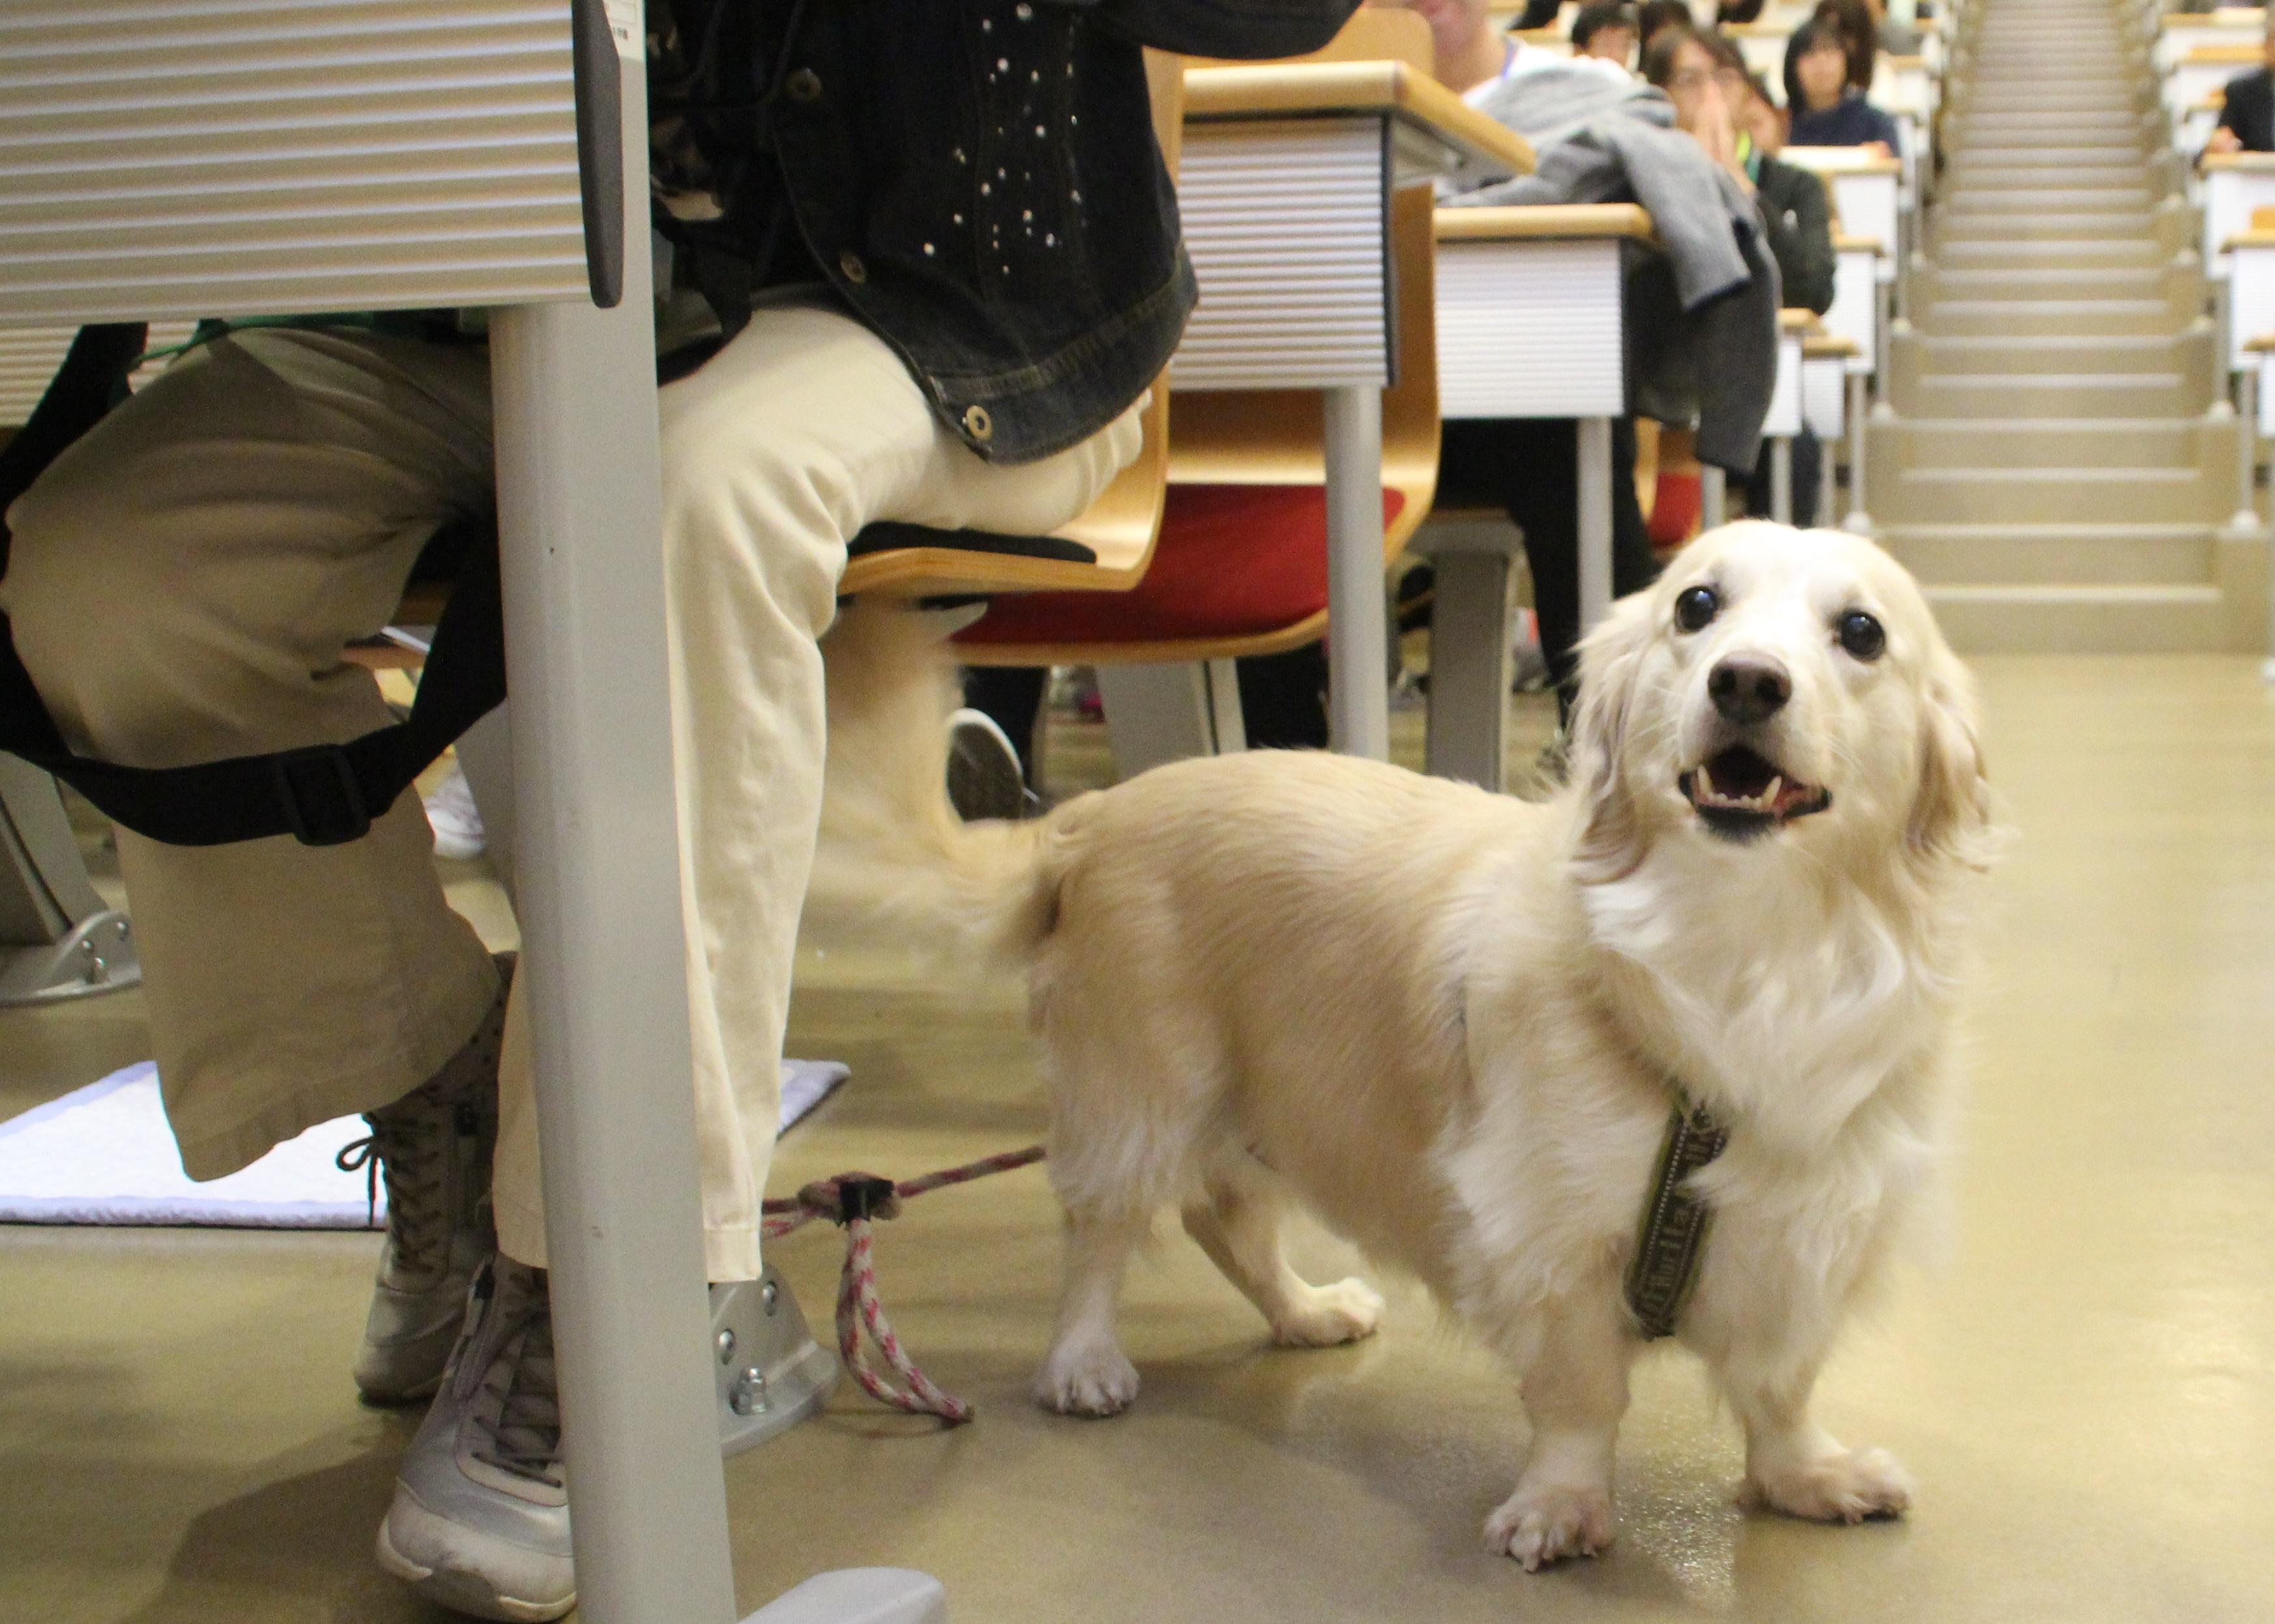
x=463, y=1591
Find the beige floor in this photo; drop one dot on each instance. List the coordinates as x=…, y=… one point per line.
x=2085, y=1388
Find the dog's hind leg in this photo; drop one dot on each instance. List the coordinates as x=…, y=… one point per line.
x=1086, y=1372
x=1236, y=1220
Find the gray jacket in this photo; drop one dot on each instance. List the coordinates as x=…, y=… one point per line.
x=1702, y=316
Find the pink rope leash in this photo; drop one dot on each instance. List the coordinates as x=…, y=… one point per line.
x=856, y=1200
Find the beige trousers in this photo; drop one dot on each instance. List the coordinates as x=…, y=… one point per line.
x=182, y=584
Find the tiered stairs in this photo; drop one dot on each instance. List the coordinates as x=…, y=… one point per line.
x=2059, y=467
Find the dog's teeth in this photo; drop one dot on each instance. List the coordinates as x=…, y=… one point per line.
x=1705, y=783
x=1770, y=796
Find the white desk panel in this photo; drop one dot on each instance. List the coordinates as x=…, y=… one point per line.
x=1855, y=311
x=280, y=156
x=1530, y=329
x=1824, y=398
x=1288, y=223
x=1784, y=418
x=2228, y=195
x=30, y=355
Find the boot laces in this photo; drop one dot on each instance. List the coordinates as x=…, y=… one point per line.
x=524, y=1434
x=409, y=1146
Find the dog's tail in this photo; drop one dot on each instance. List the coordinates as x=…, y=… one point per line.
x=895, y=858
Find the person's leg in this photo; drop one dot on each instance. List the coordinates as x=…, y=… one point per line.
x=181, y=584
x=1012, y=697
x=1634, y=565
x=1283, y=698
x=803, y=430
x=1807, y=452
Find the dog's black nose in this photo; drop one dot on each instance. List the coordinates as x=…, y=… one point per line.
x=1747, y=691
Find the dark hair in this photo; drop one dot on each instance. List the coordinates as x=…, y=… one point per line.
x=1597, y=15
x=1737, y=12
x=1657, y=63
x=1860, y=37
x=1819, y=32
x=1653, y=15
x=1720, y=48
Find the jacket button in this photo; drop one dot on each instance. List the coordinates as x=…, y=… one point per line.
x=979, y=424
x=850, y=262
x=804, y=85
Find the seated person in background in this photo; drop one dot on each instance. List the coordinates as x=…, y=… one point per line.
x=2247, y=119
x=1605, y=29
x=1824, y=105
x=1702, y=316
x=1719, y=102
x=1798, y=216
x=1732, y=11
x=1536, y=14
x=1655, y=15
x=232, y=524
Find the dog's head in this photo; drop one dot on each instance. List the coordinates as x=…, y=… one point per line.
x=1776, y=685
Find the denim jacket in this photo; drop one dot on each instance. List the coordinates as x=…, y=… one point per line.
x=977, y=180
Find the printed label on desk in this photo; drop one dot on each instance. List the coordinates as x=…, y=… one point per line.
x=624, y=25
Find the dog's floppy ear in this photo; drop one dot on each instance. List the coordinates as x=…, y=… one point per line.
x=1951, y=815
x=1611, y=834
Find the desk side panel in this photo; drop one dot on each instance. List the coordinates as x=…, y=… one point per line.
x=1286, y=223
x=269, y=156
x=1530, y=329
x=30, y=355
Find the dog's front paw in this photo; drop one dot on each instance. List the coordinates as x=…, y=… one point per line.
x=1547, y=1522
x=1342, y=1312
x=1846, y=1487
x=1086, y=1380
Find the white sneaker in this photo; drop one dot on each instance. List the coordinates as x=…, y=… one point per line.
x=454, y=819
x=480, y=1518
x=984, y=780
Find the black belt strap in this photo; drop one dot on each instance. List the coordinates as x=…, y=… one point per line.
x=1674, y=1224
x=323, y=795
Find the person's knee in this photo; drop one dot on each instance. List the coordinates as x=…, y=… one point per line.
x=88, y=594
x=749, y=514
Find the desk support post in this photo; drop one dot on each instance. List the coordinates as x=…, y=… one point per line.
x=1781, y=480
x=2246, y=451
x=1713, y=498
x=1858, y=522
x=1470, y=667
x=597, y=872
x=1595, y=438
x=1359, y=700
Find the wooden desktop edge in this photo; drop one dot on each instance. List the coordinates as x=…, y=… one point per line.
x=2254, y=163
x=1843, y=243
x=1545, y=221
x=1321, y=89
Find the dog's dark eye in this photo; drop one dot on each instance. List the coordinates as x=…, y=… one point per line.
x=1697, y=607
x=1863, y=636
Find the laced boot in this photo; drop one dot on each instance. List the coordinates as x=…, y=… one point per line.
x=433, y=1149
x=479, y=1521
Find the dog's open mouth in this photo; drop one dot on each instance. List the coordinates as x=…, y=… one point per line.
x=1739, y=794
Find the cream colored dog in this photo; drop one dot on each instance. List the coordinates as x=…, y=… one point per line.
x=1454, y=1023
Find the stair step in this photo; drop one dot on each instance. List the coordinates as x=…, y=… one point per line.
x=2032, y=357
x=2040, y=619
x=2070, y=497
x=2046, y=199
x=2082, y=225
x=2045, y=442
x=1968, y=253
x=2052, y=555
x=2077, y=318
x=2053, y=394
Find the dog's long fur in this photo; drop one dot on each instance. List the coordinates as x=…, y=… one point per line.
x=1449, y=1021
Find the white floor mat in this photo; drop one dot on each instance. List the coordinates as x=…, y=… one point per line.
x=103, y=1154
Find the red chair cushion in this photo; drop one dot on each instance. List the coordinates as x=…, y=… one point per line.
x=1232, y=561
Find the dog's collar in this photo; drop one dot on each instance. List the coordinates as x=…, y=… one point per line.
x=1675, y=1222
